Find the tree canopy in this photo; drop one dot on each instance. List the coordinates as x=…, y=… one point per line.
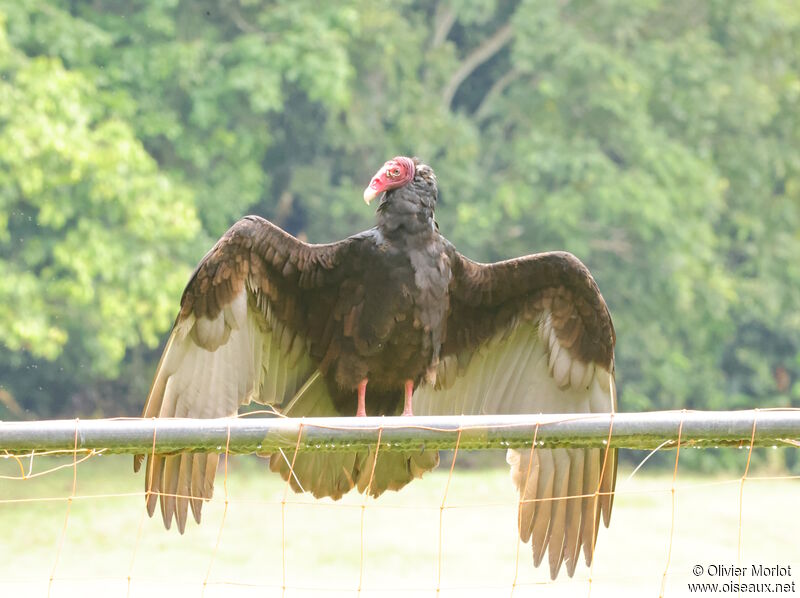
x=658, y=141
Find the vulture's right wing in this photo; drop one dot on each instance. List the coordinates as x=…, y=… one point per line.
x=253, y=312
x=533, y=335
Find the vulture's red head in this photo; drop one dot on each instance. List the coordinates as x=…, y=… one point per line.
x=395, y=173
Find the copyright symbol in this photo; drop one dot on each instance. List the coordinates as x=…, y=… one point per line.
x=697, y=570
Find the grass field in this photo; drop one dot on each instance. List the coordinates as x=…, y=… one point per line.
x=107, y=536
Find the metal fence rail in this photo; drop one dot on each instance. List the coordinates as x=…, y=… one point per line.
x=649, y=430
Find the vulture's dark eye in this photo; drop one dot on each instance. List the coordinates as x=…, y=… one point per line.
x=395, y=172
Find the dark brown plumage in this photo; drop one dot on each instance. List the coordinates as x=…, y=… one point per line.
x=268, y=318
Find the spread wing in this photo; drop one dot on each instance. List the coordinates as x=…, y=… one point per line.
x=260, y=317
x=533, y=335
x=251, y=316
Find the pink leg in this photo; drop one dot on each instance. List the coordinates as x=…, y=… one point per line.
x=409, y=392
x=362, y=394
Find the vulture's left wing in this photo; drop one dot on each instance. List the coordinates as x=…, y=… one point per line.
x=533, y=335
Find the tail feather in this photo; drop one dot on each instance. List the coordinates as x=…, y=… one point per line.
x=334, y=474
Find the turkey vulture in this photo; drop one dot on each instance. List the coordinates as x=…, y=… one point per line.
x=396, y=310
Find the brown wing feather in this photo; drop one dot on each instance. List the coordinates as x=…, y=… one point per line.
x=486, y=297
x=533, y=335
x=260, y=318
x=244, y=332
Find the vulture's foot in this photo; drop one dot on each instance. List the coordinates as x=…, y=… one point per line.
x=409, y=393
x=362, y=394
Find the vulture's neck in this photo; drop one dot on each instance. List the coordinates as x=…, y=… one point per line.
x=406, y=216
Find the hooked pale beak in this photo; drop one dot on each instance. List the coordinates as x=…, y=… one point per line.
x=372, y=191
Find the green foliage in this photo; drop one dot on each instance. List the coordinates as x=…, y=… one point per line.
x=658, y=141
x=91, y=234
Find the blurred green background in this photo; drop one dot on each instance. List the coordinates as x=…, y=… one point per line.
x=657, y=140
